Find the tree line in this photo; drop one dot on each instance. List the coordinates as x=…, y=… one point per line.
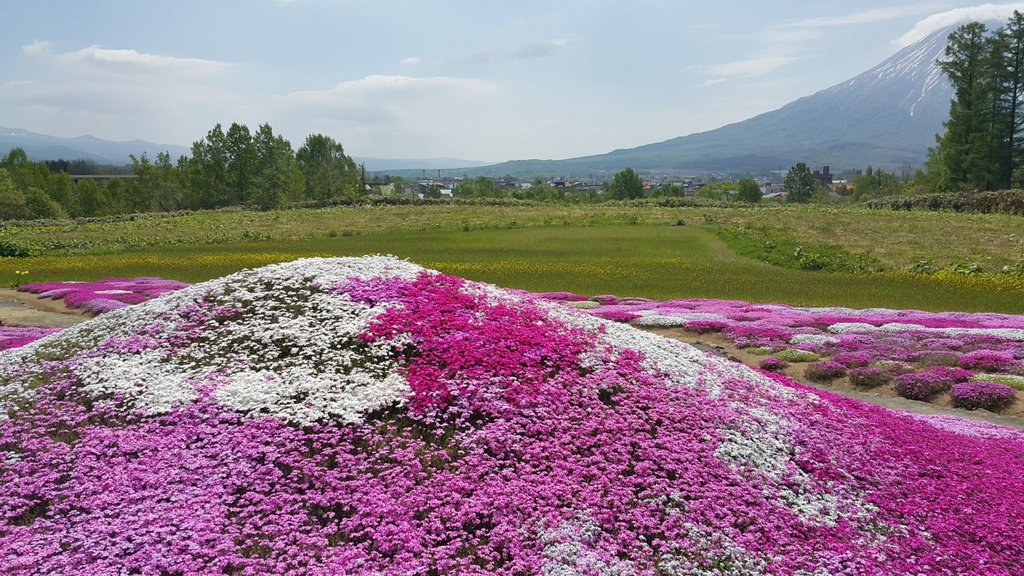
x=983, y=146
x=236, y=167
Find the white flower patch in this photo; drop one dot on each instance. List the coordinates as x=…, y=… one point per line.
x=293, y=351
x=1016, y=334
x=144, y=378
x=816, y=339
x=568, y=551
x=729, y=558
x=113, y=291
x=851, y=327
x=301, y=395
x=658, y=321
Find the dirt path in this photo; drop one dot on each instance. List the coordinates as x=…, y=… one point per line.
x=26, y=309
x=1012, y=417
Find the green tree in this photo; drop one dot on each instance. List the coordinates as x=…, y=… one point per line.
x=328, y=172
x=12, y=201
x=40, y=205
x=720, y=190
x=626, y=184
x=93, y=200
x=207, y=171
x=748, y=191
x=1011, y=43
x=432, y=192
x=240, y=167
x=799, y=184
x=875, y=183
x=279, y=178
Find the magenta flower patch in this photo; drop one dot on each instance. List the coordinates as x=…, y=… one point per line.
x=981, y=394
x=104, y=295
x=15, y=336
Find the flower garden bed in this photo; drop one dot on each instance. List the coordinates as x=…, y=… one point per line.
x=915, y=354
x=367, y=416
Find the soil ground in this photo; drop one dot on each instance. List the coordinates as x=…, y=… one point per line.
x=25, y=309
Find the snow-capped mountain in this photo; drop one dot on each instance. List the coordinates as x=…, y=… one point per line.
x=884, y=117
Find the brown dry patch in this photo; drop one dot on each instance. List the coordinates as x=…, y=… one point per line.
x=27, y=309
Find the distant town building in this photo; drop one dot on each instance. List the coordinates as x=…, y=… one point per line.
x=824, y=176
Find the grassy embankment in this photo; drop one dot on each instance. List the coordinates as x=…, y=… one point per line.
x=640, y=251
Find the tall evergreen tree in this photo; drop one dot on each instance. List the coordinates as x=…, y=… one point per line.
x=963, y=63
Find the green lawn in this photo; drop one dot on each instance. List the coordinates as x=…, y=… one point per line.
x=653, y=260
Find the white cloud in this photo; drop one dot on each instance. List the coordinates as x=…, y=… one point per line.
x=751, y=67
x=943, y=19
x=532, y=51
x=37, y=48
x=134, y=61
x=411, y=61
x=376, y=86
x=864, y=17
x=390, y=116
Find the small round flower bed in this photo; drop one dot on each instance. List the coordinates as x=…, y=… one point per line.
x=869, y=377
x=852, y=359
x=825, y=371
x=981, y=394
x=925, y=385
x=988, y=360
x=773, y=364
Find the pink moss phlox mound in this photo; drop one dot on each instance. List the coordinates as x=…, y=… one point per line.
x=924, y=385
x=825, y=371
x=15, y=336
x=104, y=295
x=989, y=361
x=773, y=364
x=981, y=394
x=869, y=377
x=366, y=416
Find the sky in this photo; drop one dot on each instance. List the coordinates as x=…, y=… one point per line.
x=484, y=80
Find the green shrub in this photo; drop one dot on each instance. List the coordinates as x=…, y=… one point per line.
x=9, y=249
x=1010, y=380
x=796, y=355
x=999, y=202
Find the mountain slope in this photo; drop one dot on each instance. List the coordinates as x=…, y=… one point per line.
x=886, y=116
x=44, y=147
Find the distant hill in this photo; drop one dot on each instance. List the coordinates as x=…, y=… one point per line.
x=393, y=164
x=42, y=147
x=887, y=116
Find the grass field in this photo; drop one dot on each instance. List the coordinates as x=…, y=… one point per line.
x=588, y=250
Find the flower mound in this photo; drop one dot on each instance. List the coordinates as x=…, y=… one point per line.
x=367, y=416
x=982, y=394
